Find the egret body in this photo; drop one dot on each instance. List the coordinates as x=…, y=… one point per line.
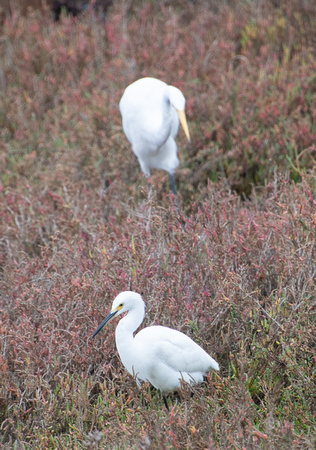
x=157, y=354
x=151, y=111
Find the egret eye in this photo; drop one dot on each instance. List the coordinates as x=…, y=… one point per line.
x=121, y=305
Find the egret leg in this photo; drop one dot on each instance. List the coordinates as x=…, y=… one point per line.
x=173, y=183
x=165, y=401
x=150, y=192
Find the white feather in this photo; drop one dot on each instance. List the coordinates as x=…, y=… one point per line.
x=157, y=354
x=150, y=112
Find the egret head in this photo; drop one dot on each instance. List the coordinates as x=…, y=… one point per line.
x=177, y=100
x=125, y=301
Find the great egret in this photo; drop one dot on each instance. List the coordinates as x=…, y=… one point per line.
x=150, y=112
x=157, y=354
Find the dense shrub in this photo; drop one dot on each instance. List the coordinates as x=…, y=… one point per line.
x=231, y=262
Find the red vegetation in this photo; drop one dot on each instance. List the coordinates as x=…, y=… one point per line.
x=231, y=263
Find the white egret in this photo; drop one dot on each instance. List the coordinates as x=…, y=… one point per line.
x=157, y=354
x=151, y=111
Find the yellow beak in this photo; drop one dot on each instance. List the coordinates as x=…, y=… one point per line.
x=184, y=124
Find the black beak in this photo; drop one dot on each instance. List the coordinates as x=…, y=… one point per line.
x=105, y=321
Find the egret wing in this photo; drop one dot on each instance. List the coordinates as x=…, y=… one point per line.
x=177, y=350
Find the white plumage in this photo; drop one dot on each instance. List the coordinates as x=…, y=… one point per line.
x=151, y=111
x=157, y=354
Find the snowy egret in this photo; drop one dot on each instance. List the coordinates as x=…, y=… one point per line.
x=157, y=354
x=151, y=111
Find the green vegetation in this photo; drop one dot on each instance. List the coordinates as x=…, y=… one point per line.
x=231, y=262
